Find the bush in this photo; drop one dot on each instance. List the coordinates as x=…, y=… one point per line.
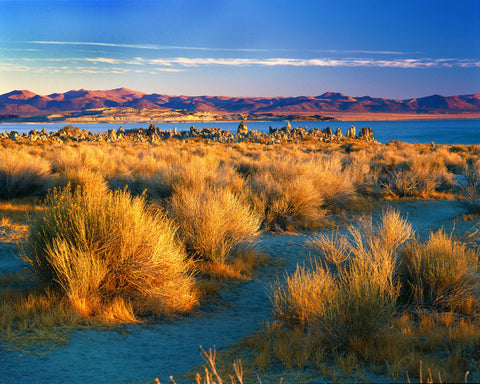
x=351, y=295
x=22, y=174
x=212, y=221
x=286, y=197
x=82, y=178
x=305, y=297
x=418, y=176
x=440, y=273
x=107, y=255
x=470, y=189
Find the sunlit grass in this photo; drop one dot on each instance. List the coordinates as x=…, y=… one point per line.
x=100, y=248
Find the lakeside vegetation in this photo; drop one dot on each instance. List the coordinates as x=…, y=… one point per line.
x=127, y=232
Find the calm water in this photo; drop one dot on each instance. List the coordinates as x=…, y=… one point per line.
x=426, y=131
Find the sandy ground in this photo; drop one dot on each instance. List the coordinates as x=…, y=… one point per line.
x=143, y=353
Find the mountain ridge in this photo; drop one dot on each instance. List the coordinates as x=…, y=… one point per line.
x=26, y=104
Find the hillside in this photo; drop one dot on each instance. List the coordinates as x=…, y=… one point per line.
x=122, y=104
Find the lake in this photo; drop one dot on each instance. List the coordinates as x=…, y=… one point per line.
x=419, y=131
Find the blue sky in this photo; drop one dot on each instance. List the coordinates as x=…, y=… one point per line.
x=396, y=49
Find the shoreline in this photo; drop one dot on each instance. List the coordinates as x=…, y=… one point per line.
x=403, y=116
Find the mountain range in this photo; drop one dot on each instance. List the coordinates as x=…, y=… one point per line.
x=26, y=104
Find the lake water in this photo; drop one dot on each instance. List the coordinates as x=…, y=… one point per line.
x=423, y=131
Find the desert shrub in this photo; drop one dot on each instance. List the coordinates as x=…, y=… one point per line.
x=195, y=175
x=108, y=255
x=454, y=159
x=286, y=197
x=417, y=177
x=85, y=155
x=334, y=183
x=286, y=205
x=212, y=221
x=469, y=190
x=22, y=174
x=305, y=297
x=359, y=173
x=81, y=178
x=441, y=274
x=355, y=300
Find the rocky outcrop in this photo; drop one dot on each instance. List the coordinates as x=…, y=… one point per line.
x=366, y=134
x=287, y=134
x=351, y=132
x=242, y=128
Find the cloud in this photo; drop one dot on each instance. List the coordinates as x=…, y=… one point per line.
x=364, y=51
x=169, y=70
x=146, y=46
x=320, y=62
x=20, y=49
x=103, y=60
x=178, y=64
x=8, y=67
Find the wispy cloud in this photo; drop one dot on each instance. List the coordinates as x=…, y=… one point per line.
x=320, y=62
x=20, y=49
x=178, y=64
x=103, y=60
x=147, y=46
x=190, y=48
x=361, y=51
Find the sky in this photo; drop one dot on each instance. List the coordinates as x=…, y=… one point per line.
x=381, y=48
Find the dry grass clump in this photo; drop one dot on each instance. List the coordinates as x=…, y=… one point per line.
x=358, y=301
x=287, y=196
x=27, y=316
x=82, y=178
x=469, y=190
x=336, y=181
x=286, y=205
x=441, y=274
x=417, y=176
x=108, y=256
x=212, y=222
x=197, y=174
x=378, y=298
x=22, y=174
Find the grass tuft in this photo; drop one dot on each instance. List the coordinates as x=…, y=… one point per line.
x=469, y=197
x=441, y=274
x=358, y=300
x=212, y=222
x=104, y=250
x=22, y=174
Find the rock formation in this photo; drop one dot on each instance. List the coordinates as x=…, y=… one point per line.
x=242, y=128
x=154, y=134
x=351, y=132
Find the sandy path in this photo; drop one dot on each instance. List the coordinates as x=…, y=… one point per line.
x=172, y=348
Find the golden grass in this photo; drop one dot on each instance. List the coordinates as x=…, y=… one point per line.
x=470, y=190
x=98, y=249
x=380, y=301
x=292, y=186
x=212, y=222
x=340, y=311
x=442, y=274
x=22, y=174
x=31, y=318
x=211, y=374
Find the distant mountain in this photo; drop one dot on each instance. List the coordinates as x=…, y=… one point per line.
x=27, y=104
